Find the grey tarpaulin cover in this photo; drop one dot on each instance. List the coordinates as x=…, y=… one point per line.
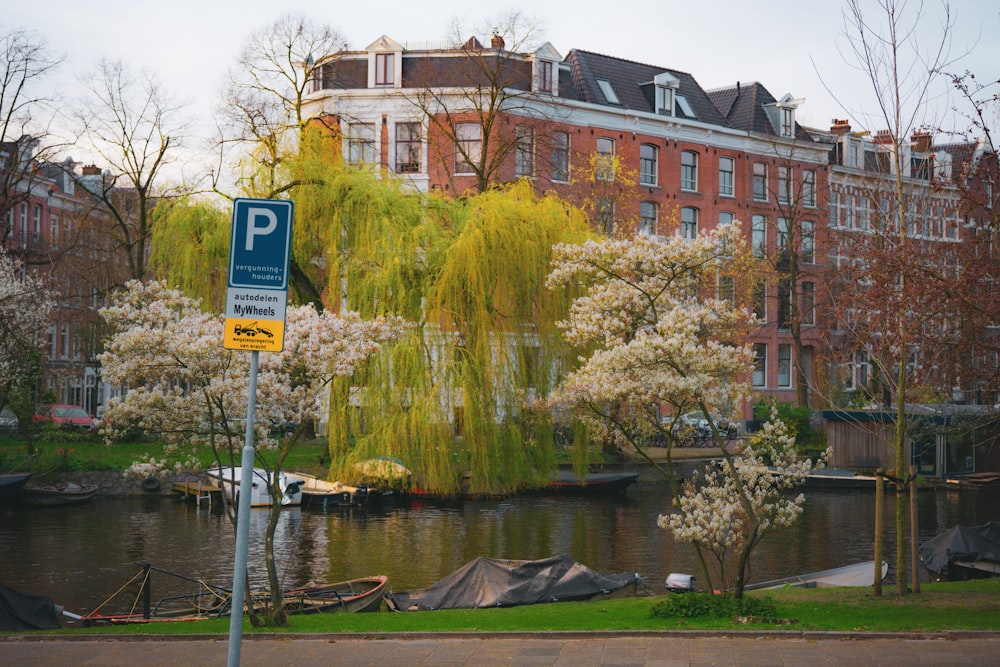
x=961, y=543
x=21, y=611
x=495, y=582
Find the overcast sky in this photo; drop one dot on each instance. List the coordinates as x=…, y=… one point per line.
x=790, y=46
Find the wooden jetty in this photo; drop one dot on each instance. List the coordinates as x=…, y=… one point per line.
x=198, y=491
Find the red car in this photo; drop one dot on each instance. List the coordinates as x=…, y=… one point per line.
x=69, y=416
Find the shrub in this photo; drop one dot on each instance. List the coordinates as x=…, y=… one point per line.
x=694, y=605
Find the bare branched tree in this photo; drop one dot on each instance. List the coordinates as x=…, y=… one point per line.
x=469, y=102
x=902, y=72
x=133, y=127
x=25, y=117
x=262, y=116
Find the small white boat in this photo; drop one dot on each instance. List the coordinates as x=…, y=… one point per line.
x=320, y=493
x=858, y=574
x=230, y=481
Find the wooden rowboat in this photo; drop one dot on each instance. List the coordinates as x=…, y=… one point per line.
x=56, y=494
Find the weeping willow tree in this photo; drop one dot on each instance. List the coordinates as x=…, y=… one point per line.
x=190, y=249
x=456, y=402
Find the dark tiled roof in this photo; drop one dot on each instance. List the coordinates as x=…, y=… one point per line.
x=632, y=83
x=743, y=106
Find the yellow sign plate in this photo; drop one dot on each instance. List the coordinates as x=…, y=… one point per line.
x=254, y=335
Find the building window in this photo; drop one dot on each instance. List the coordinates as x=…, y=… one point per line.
x=648, y=164
x=560, y=157
x=689, y=171
x=760, y=181
x=758, y=235
x=726, y=171
x=407, y=148
x=605, y=167
x=809, y=188
x=546, y=76
x=24, y=224
x=361, y=143
x=608, y=91
x=727, y=290
x=783, y=234
x=689, y=223
x=808, y=245
x=385, y=69
x=785, y=296
x=469, y=143
x=784, y=185
x=758, y=298
x=36, y=235
x=648, y=218
x=834, y=210
x=787, y=121
x=760, y=365
x=808, y=303
x=606, y=215
x=524, y=156
x=54, y=231
x=784, y=365
x=664, y=101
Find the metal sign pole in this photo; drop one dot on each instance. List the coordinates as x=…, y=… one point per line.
x=243, y=523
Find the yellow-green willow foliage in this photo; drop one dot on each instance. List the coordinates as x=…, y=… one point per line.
x=456, y=401
x=190, y=249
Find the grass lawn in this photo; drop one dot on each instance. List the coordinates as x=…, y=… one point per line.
x=971, y=605
x=61, y=451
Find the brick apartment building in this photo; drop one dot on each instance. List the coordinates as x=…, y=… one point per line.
x=55, y=227
x=689, y=159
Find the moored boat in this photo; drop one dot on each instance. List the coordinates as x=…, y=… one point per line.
x=230, y=479
x=51, y=495
x=208, y=600
x=321, y=494
x=11, y=484
x=964, y=552
x=592, y=482
x=857, y=574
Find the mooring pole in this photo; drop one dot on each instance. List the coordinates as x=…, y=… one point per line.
x=914, y=526
x=879, y=505
x=243, y=523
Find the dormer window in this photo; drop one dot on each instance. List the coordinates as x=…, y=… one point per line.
x=546, y=76
x=385, y=63
x=782, y=114
x=666, y=93
x=385, y=69
x=546, y=70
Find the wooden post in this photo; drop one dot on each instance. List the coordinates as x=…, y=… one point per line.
x=879, y=509
x=914, y=556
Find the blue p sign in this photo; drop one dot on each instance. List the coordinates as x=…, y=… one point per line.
x=260, y=245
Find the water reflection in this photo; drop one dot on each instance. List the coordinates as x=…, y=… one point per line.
x=80, y=555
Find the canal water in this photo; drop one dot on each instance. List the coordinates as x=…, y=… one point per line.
x=80, y=555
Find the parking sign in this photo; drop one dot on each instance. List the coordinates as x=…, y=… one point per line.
x=259, y=255
x=260, y=245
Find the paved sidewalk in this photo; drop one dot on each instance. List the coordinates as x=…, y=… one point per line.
x=651, y=650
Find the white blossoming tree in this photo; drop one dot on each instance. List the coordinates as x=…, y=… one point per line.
x=185, y=387
x=24, y=313
x=665, y=340
x=662, y=342
x=727, y=510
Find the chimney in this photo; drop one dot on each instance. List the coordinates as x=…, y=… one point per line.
x=883, y=137
x=497, y=41
x=90, y=170
x=840, y=127
x=920, y=141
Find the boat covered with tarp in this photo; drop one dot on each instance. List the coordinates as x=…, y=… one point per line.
x=496, y=582
x=23, y=611
x=964, y=552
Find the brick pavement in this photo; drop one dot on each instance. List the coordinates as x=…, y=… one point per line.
x=620, y=650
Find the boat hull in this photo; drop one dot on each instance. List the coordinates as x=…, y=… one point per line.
x=52, y=496
x=858, y=574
